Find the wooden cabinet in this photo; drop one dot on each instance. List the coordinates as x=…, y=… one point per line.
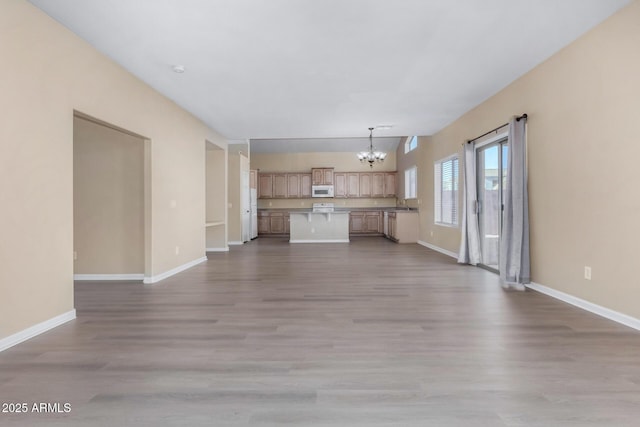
x=365, y=184
x=284, y=185
x=365, y=222
x=339, y=184
x=345, y=184
x=263, y=223
x=377, y=184
x=373, y=222
x=253, y=178
x=356, y=222
x=279, y=185
x=273, y=223
x=390, y=184
x=265, y=186
x=293, y=185
x=305, y=185
x=276, y=223
x=403, y=226
x=328, y=176
x=322, y=176
x=353, y=184
x=317, y=176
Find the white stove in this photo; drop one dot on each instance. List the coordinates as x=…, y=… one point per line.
x=323, y=207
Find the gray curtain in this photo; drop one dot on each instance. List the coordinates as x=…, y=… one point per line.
x=515, y=268
x=470, y=241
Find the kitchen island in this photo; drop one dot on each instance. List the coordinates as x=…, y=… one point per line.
x=319, y=226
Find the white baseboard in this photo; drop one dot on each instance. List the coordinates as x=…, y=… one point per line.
x=607, y=313
x=235, y=242
x=161, y=276
x=321, y=241
x=38, y=329
x=108, y=277
x=438, y=249
x=226, y=249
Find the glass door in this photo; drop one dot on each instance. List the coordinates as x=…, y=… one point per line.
x=492, y=173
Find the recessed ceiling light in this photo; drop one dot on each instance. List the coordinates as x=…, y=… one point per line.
x=178, y=69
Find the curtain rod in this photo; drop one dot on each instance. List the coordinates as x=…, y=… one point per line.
x=524, y=116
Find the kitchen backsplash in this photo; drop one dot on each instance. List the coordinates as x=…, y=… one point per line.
x=339, y=203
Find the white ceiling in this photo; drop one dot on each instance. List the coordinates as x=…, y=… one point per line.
x=300, y=69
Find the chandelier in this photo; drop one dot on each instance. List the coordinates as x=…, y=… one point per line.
x=372, y=156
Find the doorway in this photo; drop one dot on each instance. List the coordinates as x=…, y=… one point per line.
x=491, y=178
x=110, y=202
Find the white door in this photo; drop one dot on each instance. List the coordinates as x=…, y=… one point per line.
x=492, y=175
x=245, y=207
x=254, y=213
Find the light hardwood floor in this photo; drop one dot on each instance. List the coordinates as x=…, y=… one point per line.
x=369, y=333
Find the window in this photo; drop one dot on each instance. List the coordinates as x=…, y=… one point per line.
x=446, y=191
x=410, y=144
x=410, y=183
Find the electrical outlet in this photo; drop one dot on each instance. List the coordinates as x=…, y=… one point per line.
x=431, y=233
x=587, y=273
x=177, y=250
x=75, y=255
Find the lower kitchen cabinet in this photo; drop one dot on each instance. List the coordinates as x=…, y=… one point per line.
x=276, y=223
x=263, y=223
x=365, y=222
x=273, y=223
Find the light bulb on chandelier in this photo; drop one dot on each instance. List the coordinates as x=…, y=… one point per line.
x=372, y=156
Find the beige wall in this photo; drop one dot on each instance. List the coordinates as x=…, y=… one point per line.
x=216, y=190
x=583, y=145
x=108, y=200
x=53, y=73
x=304, y=162
x=404, y=162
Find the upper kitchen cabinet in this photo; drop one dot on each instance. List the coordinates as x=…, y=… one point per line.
x=377, y=184
x=390, y=183
x=284, y=185
x=279, y=185
x=305, y=185
x=365, y=184
x=353, y=184
x=322, y=176
x=345, y=184
x=293, y=185
x=340, y=184
x=265, y=185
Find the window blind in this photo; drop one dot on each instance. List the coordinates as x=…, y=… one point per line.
x=446, y=191
x=410, y=183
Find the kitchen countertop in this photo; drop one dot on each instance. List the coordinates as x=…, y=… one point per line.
x=337, y=210
x=311, y=211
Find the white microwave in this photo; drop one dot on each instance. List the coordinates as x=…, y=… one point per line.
x=322, y=191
